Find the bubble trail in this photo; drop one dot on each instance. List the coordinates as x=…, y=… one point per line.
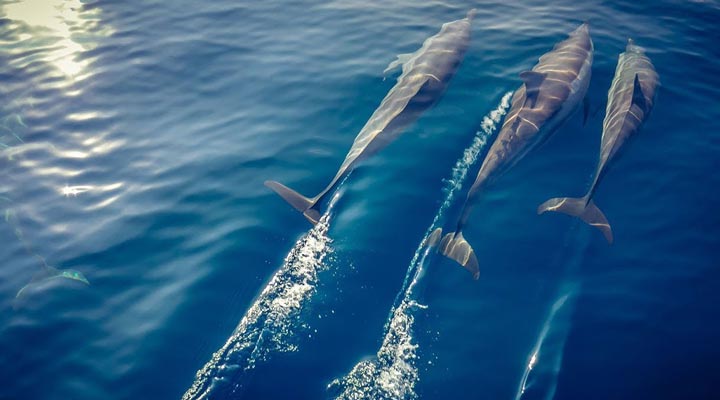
x=392, y=373
x=274, y=319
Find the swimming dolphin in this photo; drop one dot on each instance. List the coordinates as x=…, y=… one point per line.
x=49, y=273
x=630, y=100
x=425, y=76
x=552, y=90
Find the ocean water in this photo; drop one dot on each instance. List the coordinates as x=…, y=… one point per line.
x=135, y=138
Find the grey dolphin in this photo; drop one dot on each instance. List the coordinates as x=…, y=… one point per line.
x=49, y=273
x=425, y=76
x=630, y=100
x=552, y=90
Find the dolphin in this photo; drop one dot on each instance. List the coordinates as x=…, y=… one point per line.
x=425, y=76
x=46, y=273
x=551, y=92
x=630, y=100
x=49, y=273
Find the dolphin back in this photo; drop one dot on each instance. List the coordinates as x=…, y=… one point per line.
x=630, y=99
x=425, y=76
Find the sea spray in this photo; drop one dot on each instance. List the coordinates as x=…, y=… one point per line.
x=392, y=373
x=273, y=321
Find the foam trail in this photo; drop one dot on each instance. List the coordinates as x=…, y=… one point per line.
x=273, y=320
x=392, y=373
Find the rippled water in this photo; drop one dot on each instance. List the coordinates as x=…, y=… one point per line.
x=135, y=138
x=393, y=373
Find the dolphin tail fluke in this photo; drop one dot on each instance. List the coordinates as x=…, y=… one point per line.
x=298, y=201
x=578, y=207
x=455, y=247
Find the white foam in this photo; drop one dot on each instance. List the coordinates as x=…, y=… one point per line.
x=273, y=320
x=392, y=373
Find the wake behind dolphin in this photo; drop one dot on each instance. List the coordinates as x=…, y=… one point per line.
x=541, y=372
x=552, y=90
x=551, y=340
x=392, y=374
x=425, y=76
x=630, y=101
x=273, y=321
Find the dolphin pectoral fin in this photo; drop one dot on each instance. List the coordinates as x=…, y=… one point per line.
x=298, y=201
x=455, y=247
x=576, y=207
x=586, y=110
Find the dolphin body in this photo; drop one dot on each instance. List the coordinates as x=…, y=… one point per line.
x=552, y=90
x=425, y=76
x=48, y=274
x=630, y=100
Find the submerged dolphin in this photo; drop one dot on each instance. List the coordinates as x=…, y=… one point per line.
x=46, y=273
x=630, y=101
x=552, y=90
x=49, y=273
x=425, y=76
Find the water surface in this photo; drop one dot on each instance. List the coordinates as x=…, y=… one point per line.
x=135, y=138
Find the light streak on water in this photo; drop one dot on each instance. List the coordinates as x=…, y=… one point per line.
x=541, y=373
x=61, y=29
x=550, y=323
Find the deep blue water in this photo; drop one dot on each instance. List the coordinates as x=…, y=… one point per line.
x=136, y=137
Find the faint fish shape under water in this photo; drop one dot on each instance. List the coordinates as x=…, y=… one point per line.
x=425, y=76
x=630, y=100
x=552, y=90
x=49, y=273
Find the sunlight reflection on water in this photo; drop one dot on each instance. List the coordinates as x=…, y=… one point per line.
x=62, y=29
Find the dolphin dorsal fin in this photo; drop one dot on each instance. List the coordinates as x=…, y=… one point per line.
x=401, y=59
x=533, y=80
x=638, y=95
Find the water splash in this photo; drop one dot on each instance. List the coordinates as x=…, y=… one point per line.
x=392, y=373
x=274, y=319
